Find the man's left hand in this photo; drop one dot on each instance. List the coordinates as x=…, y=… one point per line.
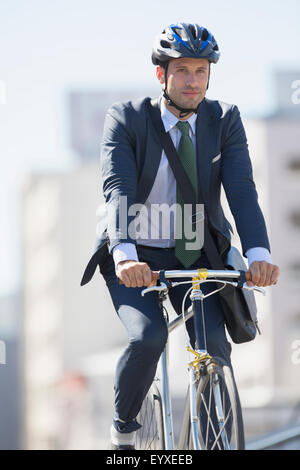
x=262, y=274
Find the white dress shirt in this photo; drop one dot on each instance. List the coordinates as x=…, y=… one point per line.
x=164, y=191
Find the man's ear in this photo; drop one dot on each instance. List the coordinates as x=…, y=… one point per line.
x=208, y=77
x=160, y=74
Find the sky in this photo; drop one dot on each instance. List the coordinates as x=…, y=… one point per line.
x=50, y=48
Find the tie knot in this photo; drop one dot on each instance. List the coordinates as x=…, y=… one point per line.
x=184, y=127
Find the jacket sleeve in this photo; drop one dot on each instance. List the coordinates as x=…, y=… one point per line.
x=239, y=186
x=119, y=175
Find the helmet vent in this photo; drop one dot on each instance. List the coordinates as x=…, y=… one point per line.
x=165, y=44
x=193, y=30
x=178, y=31
x=204, y=35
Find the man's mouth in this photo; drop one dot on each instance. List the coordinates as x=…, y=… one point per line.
x=191, y=93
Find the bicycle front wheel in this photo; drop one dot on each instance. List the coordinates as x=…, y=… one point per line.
x=220, y=424
x=151, y=435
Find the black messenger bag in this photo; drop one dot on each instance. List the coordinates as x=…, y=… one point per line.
x=238, y=305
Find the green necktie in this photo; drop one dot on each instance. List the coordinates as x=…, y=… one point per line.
x=187, y=157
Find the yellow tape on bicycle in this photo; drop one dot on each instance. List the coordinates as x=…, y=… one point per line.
x=202, y=274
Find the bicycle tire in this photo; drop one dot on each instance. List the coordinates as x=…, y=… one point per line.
x=212, y=434
x=151, y=435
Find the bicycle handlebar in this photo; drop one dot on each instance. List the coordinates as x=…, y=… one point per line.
x=206, y=273
x=203, y=275
x=210, y=273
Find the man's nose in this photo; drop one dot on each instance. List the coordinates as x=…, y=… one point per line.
x=191, y=79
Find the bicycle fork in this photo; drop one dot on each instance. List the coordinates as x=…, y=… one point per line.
x=194, y=370
x=166, y=401
x=165, y=388
x=194, y=418
x=202, y=355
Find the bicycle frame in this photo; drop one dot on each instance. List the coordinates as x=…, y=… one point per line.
x=190, y=417
x=190, y=412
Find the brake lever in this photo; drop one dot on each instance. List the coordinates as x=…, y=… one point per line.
x=159, y=288
x=251, y=288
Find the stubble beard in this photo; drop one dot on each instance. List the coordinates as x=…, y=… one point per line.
x=187, y=102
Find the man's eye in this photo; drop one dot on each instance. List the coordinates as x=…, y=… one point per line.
x=183, y=70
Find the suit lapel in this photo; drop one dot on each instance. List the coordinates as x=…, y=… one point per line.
x=153, y=153
x=206, y=138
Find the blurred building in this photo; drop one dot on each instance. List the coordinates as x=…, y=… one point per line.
x=87, y=112
x=287, y=92
x=10, y=372
x=267, y=373
x=63, y=323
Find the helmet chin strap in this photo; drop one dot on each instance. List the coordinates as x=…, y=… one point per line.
x=183, y=111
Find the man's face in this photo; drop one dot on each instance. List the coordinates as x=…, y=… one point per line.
x=187, y=81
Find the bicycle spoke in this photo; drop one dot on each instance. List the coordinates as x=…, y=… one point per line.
x=209, y=420
x=149, y=415
x=223, y=426
x=148, y=426
x=150, y=435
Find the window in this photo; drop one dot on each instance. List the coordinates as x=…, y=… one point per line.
x=295, y=320
x=294, y=218
x=295, y=270
x=294, y=164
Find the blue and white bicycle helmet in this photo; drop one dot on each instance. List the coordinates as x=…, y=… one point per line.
x=185, y=40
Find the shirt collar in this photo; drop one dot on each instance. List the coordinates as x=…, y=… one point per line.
x=170, y=120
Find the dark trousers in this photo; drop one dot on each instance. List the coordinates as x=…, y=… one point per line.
x=147, y=330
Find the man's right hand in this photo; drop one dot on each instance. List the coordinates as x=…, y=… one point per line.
x=134, y=274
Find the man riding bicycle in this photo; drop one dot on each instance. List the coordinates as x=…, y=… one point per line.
x=135, y=168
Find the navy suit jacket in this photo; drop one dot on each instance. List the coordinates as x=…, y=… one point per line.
x=130, y=157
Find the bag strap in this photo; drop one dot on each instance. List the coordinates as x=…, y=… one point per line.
x=184, y=182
